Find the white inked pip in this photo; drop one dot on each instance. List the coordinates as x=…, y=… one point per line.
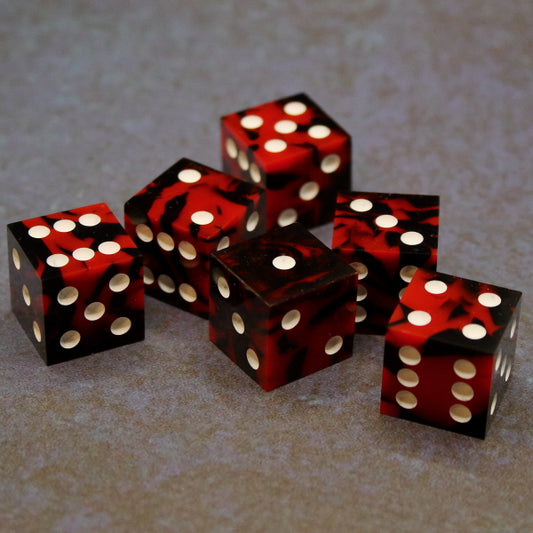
x=386, y=221
x=64, y=225
x=419, y=318
x=275, y=146
x=489, y=299
x=39, y=232
x=89, y=220
x=412, y=238
x=295, y=108
x=436, y=286
x=251, y=122
x=474, y=331
x=287, y=216
x=202, y=218
x=190, y=175
x=319, y=131
x=285, y=126
x=361, y=205
x=330, y=163
x=284, y=262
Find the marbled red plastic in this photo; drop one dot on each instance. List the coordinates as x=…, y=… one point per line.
x=167, y=206
x=250, y=313
x=357, y=238
x=35, y=285
x=303, y=179
x=441, y=343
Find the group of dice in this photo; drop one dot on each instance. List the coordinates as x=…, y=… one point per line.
x=235, y=247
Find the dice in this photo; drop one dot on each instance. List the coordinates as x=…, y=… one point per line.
x=182, y=216
x=385, y=237
x=293, y=149
x=282, y=305
x=76, y=282
x=449, y=351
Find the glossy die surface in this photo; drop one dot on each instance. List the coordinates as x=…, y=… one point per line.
x=182, y=216
x=449, y=350
x=282, y=306
x=385, y=237
x=76, y=282
x=293, y=149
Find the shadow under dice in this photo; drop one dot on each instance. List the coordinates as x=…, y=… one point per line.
x=182, y=216
x=282, y=306
x=449, y=351
x=294, y=150
x=385, y=237
x=76, y=282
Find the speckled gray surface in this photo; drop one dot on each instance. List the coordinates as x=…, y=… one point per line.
x=98, y=98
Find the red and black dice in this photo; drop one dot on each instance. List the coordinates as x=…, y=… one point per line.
x=76, y=282
x=296, y=151
x=385, y=237
x=282, y=305
x=449, y=351
x=182, y=216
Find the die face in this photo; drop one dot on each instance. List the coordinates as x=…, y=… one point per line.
x=390, y=226
x=236, y=315
x=311, y=334
x=108, y=311
x=180, y=218
x=449, y=352
x=26, y=295
x=464, y=313
x=278, y=345
x=78, y=287
x=291, y=147
x=386, y=237
x=276, y=325
x=284, y=264
x=72, y=241
x=442, y=392
x=191, y=199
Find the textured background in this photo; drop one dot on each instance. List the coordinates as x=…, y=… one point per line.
x=97, y=98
